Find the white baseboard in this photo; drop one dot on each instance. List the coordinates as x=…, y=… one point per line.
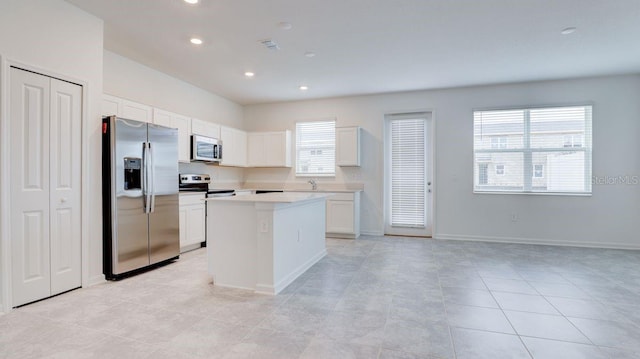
x=284, y=282
x=96, y=279
x=538, y=241
x=372, y=233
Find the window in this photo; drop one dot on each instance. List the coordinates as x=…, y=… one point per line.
x=408, y=173
x=483, y=173
x=537, y=171
x=572, y=140
x=316, y=148
x=547, y=150
x=499, y=142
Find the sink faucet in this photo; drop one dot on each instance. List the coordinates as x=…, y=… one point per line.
x=314, y=185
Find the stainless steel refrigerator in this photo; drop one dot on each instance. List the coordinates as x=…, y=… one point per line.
x=139, y=195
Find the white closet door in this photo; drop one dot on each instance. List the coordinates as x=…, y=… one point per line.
x=29, y=112
x=65, y=157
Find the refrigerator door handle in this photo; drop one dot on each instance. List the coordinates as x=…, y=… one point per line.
x=145, y=177
x=152, y=194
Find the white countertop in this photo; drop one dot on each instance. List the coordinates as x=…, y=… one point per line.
x=286, y=190
x=275, y=197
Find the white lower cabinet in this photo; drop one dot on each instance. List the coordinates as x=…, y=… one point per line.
x=192, y=220
x=343, y=215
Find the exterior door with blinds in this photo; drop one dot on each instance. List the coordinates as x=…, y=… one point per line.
x=408, y=175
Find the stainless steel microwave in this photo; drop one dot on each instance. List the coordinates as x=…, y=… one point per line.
x=205, y=149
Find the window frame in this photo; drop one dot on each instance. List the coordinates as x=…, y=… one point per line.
x=297, y=151
x=527, y=151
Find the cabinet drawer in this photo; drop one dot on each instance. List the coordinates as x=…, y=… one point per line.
x=342, y=197
x=191, y=198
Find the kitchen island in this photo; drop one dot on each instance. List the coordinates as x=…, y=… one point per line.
x=263, y=242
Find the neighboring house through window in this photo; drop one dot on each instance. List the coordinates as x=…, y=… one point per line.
x=538, y=171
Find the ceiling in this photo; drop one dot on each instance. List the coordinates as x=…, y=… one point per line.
x=370, y=46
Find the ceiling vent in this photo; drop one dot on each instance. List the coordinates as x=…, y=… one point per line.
x=270, y=44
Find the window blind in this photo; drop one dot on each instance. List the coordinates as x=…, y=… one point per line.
x=408, y=173
x=316, y=148
x=545, y=150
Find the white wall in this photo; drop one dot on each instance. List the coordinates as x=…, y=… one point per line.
x=131, y=80
x=58, y=38
x=609, y=218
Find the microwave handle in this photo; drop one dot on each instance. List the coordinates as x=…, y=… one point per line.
x=219, y=151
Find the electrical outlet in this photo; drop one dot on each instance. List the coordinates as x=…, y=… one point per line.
x=514, y=217
x=264, y=227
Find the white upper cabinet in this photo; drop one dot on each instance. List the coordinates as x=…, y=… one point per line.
x=234, y=147
x=348, y=146
x=269, y=149
x=124, y=108
x=183, y=124
x=204, y=128
x=111, y=106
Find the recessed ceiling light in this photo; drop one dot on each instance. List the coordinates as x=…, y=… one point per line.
x=285, y=25
x=304, y=88
x=249, y=74
x=196, y=41
x=192, y=2
x=309, y=54
x=568, y=30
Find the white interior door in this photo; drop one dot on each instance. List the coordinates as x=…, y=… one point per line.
x=408, y=168
x=29, y=112
x=45, y=186
x=65, y=124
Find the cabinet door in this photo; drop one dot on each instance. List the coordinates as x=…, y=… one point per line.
x=226, y=135
x=111, y=106
x=195, y=226
x=240, y=148
x=162, y=118
x=183, y=124
x=340, y=216
x=275, y=149
x=204, y=128
x=182, y=215
x=348, y=146
x=136, y=111
x=256, y=150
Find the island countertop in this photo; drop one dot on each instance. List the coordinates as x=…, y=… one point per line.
x=274, y=197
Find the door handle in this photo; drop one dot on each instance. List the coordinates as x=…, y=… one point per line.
x=63, y=200
x=152, y=193
x=145, y=177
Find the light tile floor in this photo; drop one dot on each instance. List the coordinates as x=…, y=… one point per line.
x=375, y=297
